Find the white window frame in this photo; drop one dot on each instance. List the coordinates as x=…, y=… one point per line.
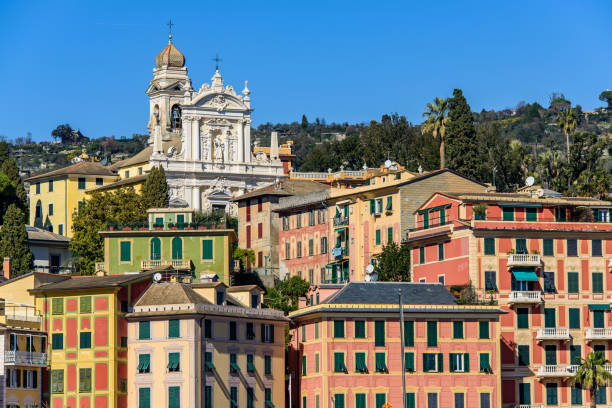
x=458, y=362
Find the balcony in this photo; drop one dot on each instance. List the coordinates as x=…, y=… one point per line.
x=337, y=252
x=25, y=358
x=553, y=334
x=598, y=334
x=524, y=260
x=556, y=371
x=180, y=264
x=525, y=297
x=341, y=221
x=529, y=406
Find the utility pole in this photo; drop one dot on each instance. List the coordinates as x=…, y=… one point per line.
x=403, y=358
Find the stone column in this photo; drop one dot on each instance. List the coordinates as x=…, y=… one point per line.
x=247, y=140
x=240, y=141
x=186, y=133
x=195, y=198
x=195, y=140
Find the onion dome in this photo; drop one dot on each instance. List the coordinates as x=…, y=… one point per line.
x=170, y=57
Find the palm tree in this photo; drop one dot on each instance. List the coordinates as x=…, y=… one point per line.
x=436, y=114
x=567, y=120
x=591, y=374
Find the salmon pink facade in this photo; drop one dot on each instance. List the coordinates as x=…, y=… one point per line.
x=544, y=259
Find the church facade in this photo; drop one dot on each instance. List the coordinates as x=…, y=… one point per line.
x=202, y=137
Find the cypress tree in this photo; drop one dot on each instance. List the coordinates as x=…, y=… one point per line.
x=155, y=189
x=467, y=152
x=14, y=242
x=9, y=168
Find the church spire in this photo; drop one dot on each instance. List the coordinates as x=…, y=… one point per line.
x=169, y=24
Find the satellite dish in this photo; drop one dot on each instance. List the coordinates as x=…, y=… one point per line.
x=157, y=277
x=529, y=182
x=369, y=268
x=388, y=163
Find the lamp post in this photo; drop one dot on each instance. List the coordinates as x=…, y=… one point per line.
x=401, y=308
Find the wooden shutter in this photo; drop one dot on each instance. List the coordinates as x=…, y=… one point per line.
x=360, y=400
x=440, y=362
x=174, y=328
x=466, y=362
x=548, y=247
x=144, y=397
x=380, y=400
x=126, y=251
x=410, y=400
x=379, y=333
x=489, y=246
x=457, y=329
x=144, y=330
x=207, y=249
x=372, y=206
x=409, y=362
x=85, y=304
x=360, y=329
x=174, y=397
x=409, y=333
x=483, y=329
x=432, y=334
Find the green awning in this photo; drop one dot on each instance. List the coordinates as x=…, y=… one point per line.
x=520, y=205
x=599, y=307
x=335, y=263
x=525, y=276
x=340, y=229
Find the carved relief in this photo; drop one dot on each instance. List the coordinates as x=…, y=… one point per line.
x=219, y=103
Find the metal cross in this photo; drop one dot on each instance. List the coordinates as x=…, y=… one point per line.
x=217, y=60
x=170, y=28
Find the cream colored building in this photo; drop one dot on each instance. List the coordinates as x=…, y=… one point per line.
x=199, y=346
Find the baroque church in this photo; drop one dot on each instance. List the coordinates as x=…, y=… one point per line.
x=202, y=137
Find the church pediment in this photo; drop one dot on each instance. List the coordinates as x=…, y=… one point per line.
x=219, y=102
x=219, y=195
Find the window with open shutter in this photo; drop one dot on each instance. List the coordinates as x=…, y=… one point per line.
x=174, y=362
x=521, y=246
x=531, y=214
x=381, y=363
x=485, y=366
x=508, y=213
x=524, y=394
x=339, y=366
x=144, y=363
x=360, y=363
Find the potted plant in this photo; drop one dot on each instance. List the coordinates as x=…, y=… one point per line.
x=480, y=211
x=189, y=226
x=201, y=226
x=158, y=227
x=172, y=226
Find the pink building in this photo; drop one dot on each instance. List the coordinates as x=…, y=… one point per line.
x=347, y=351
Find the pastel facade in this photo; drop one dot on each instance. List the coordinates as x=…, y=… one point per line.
x=347, y=349
x=172, y=241
x=188, y=347
x=55, y=196
x=544, y=258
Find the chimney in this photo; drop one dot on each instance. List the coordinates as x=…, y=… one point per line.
x=6, y=267
x=274, y=147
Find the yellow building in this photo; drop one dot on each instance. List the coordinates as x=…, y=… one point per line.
x=55, y=196
x=198, y=346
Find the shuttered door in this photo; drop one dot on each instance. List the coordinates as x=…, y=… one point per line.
x=575, y=354
x=524, y=393
x=549, y=317
x=144, y=397
x=379, y=333
x=551, y=393
x=360, y=400
x=177, y=248
x=409, y=334
x=155, y=249
x=551, y=355
x=174, y=397
x=432, y=334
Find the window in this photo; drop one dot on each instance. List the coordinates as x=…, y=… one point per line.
x=521, y=246
x=298, y=220
x=260, y=230
x=485, y=400
x=551, y=393
x=489, y=246
x=456, y=362
x=597, y=282
x=360, y=401
x=174, y=397
x=58, y=306
x=155, y=248
x=572, y=247
x=459, y=400
x=144, y=397
x=250, y=329
x=287, y=250
x=207, y=249
x=381, y=363
x=485, y=367
x=548, y=247
x=339, y=366
x=248, y=236
x=127, y=174
x=432, y=334
x=575, y=354
x=483, y=329
x=310, y=247
x=409, y=362
x=174, y=328
x=508, y=213
x=550, y=317
x=549, y=282
x=267, y=333
x=409, y=333
x=267, y=365
x=339, y=329
x=234, y=368
x=360, y=363
x=259, y=205
x=389, y=235
x=51, y=209
x=360, y=331
x=523, y=355
x=422, y=255
x=57, y=381
x=144, y=363
x=316, y=362
x=576, y=395
x=299, y=249
x=531, y=214
x=84, y=379
x=85, y=340
x=379, y=333
x=378, y=237
x=126, y=251
x=100, y=180
x=38, y=187
x=441, y=251
x=175, y=119
x=317, y=324
x=323, y=245
x=425, y=220
x=311, y=218
x=208, y=329
x=60, y=229
x=57, y=341
x=524, y=394
x=574, y=318
x=490, y=281
x=232, y=331
x=81, y=183
x=457, y=329
x=380, y=400
x=432, y=400
x=572, y=282
x=144, y=330
x=338, y=400
x=303, y=365
x=379, y=205
x=596, y=247
x=560, y=214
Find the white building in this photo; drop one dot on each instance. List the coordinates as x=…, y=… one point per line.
x=50, y=251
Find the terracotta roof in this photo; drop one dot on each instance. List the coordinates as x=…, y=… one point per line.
x=168, y=293
x=40, y=278
x=244, y=288
x=144, y=155
x=82, y=168
x=37, y=234
x=283, y=188
x=526, y=198
x=207, y=284
x=93, y=282
x=120, y=183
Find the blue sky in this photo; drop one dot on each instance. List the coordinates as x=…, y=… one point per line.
x=89, y=63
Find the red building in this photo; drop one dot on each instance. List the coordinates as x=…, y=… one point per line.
x=543, y=257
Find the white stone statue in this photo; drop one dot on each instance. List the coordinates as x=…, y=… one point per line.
x=219, y=147
x=206, y=147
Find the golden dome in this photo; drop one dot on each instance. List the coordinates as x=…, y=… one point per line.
x=170, y=57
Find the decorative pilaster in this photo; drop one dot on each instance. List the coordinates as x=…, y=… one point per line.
x=240, y=141
x=186, y=136
x=247, y=141
x=195, y=140
x=195, y=198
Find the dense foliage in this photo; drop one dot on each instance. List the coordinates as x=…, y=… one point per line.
x=393, y=263
x=155, y=189
x=14, y=242
x=287, y=293
x=592, y=375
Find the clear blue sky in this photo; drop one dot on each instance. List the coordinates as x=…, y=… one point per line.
x=88, y=63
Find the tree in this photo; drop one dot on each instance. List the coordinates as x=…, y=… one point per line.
x=436, y=114
x=123, y=206
x=286, y=295
x=7, y=194
x=155, y=189
x=62, y=132
x=304, y=122
x=606, y=96
x=244, y=256
x=393, y=263
x=509, y=159
x=14, y=242
x=592, y=374
x=567, y=121
x=4, y=152
x=9, y=168
x=466, y=149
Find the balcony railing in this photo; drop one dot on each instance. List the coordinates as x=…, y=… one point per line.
x=337, y=252
x=598, y=334
x=524, y=260
x=553, y=334
x=25, y=358
x=525, y=296
x=557, y=370
x=341, y=221
x=529, y=406
x=164, y=263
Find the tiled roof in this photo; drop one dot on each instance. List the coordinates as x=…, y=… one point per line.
x=37, y=234
x=93, y=282
x=526, y=198
x=144, y=155
x=383, y=293
x=167, y=293
x=82, y=168
x=120, y=183
x=243, y=288
x=285, y=187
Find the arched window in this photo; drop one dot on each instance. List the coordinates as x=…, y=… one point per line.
x=177, y=248
x=175, y=122
x=155, y=249
x=38, y=221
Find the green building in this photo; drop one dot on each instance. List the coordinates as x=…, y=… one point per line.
x=171, y=241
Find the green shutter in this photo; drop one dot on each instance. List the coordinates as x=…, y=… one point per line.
x=360, y=363
x=381, y=363
x=360, y=329
x=484, y=362
x=440, y=362
x=441, y=251
x=521, y=246
x=409, y=362
x=457, y=329
x=303, y=365
x=379, y=333
x=208, y=396
x=422, y=255
x=442, y=216
x=339, y=401
x=126, y=251
x=339, y=329
x=523, y=355
x=360, y=401
x=57, y=341
x=572, y=282
x=508, y=213
x=372, y=206
x=425, y=362
x=339, y=366
x=58, y=306
x=522, y=318
x=432, y=334
x=177, y=248
x=389, y=235
x=380, y=400
x=207, y=249
x=174, y=361
x=410, y=400
x=85, y=340
x=174, y=397
x=409, y=333
x=155, y=248
x=489, y=246
x=574, y=318
x=378, y=237
x=425, y=220
x=84, y=379
x=174, y=328
x=524, y=394
x=233, y=397
x=144, y=397
x=597, y=282
x=575, y=354
x=268, y=365
x=483, y=329
x=549, y=318
x=531, y=214
x=144, y=330
x=466, y=363
x=551, y=393
x=389, y=203
x=548, y=247
x=85, y=304
x=576, y=395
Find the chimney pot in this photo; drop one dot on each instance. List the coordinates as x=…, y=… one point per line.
x=6, y=267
